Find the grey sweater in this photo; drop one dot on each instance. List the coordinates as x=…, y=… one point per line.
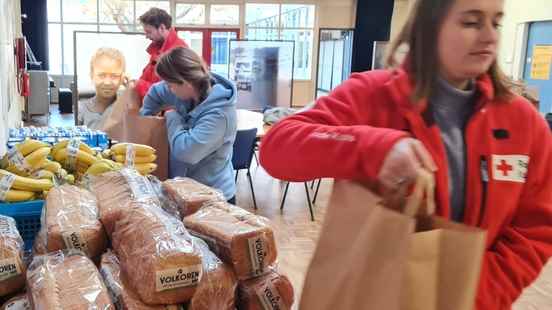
x=452, y=108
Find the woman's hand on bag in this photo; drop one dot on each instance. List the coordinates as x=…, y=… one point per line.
x=400, y=166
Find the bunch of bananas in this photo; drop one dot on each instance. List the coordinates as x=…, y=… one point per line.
x=26, y=157
x=23, y=188
x=76, y=160
x=142, y=157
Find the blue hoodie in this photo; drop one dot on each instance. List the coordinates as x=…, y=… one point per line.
x=201, y=139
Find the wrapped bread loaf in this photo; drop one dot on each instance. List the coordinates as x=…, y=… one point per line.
x=217, y=288
x=19, y=302
x=239, y=238
x=12, y=268
x=269, y=292
x=115, y=190
x=189, y=195
x=70, y=220
x=123, y=297
x=157, y=255
x=66, y=280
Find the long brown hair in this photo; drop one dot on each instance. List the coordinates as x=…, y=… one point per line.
x=420, y=33
x=182, y=64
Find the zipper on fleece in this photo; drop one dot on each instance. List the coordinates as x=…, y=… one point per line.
x=483, y=166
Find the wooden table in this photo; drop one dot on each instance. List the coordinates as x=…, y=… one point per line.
x=249, y=119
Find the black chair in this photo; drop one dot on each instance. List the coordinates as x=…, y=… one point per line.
x=308, y=198
x=244, y=148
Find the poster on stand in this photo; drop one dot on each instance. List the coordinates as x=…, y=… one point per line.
x=263, y=73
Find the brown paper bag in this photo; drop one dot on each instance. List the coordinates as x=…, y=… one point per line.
x=369, y=257
x=126, y=125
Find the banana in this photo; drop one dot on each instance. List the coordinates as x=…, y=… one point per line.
x=63, y=144
x=145, y=169
x=137, y=160
x=82, y=156
x=52, y=166
x=28, y=184
x=4, y=163
x=43, y=174
x=99, y=168
x=28, y=146
x=13, y=169
x=36, y=157
x=70, y=179
x=106, y=153
x=139, y=149
x=17, y=196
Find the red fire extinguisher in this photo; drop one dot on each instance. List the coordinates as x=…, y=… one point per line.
x=22, y=78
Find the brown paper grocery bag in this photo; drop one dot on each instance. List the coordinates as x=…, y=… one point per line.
x=443, y=265
x=371, y=257
x=126, y=125
x=359, y=259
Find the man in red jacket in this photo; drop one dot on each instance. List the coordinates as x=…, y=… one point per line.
x=157, y=28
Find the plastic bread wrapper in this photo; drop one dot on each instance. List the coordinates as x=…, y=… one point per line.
x=157, y=255
x=12, y=267
x=122, y=295
x=268, y=292
x=166, y=202
x=242, y=239
x=116, y=190
x=190, y=195
x=217, y=288
x=70, y=220
x=19, y=302
x=66, y=280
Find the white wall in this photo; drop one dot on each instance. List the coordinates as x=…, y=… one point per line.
x=512, y=45
x=400, y=14
x=10, y=102
x=330, y=14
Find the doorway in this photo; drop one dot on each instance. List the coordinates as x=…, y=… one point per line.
x=212, y=44
x=335, y=48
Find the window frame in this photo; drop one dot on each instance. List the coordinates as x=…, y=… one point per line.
x=208, y=3
x=280, y=29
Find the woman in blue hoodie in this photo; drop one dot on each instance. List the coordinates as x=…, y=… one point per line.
x=201, y=120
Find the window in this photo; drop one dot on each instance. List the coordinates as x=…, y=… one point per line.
x=84, y=11
x=225, y=14
x=143, y=6
x=190, y=14
x=116, y=12
x=293, y=22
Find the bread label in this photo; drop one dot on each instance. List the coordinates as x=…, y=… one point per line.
x=141, y=189
x=72, y=151
x=6, y=183
x=257, y=254
x=73, y=240
x=16, y=158
x=9, y=268
x=19, y=304
x=270, y=297
x=169, y=279
x=130, y=155
x=7, y=226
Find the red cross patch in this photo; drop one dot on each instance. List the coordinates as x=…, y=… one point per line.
x=511, y=168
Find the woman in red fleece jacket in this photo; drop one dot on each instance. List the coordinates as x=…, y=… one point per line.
x=384, y=125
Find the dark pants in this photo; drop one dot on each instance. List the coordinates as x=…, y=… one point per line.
x=232, y=200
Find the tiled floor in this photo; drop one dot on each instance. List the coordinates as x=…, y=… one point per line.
x=55, y=119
